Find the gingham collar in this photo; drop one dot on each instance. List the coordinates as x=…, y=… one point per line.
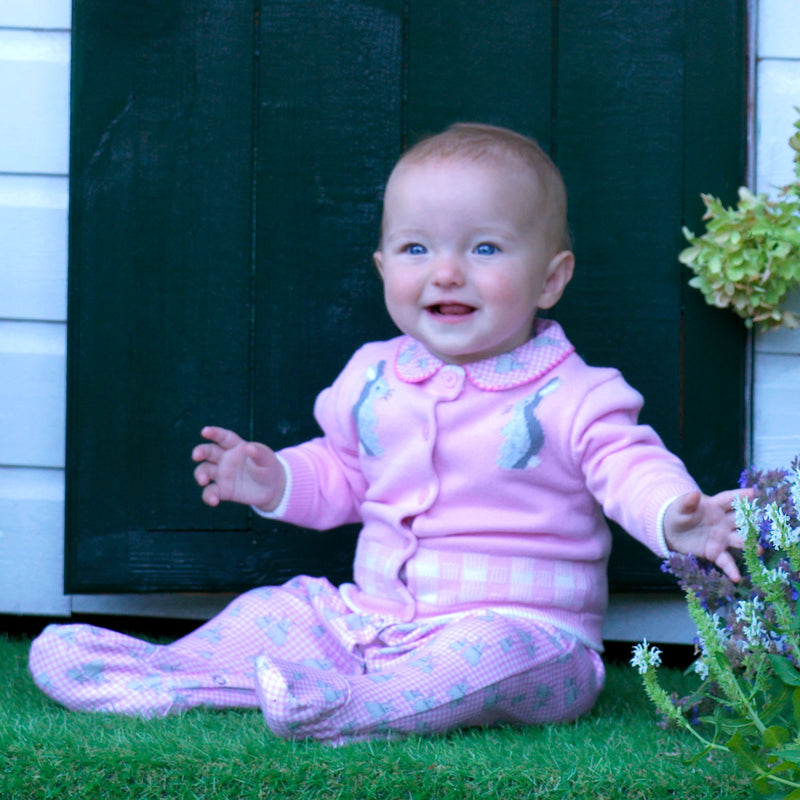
x=545, y=350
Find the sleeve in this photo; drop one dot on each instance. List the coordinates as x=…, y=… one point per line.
x=626, y=466
x=325, y=483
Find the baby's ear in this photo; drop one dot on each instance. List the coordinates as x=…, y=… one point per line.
x=377, y=257
x=559, y=274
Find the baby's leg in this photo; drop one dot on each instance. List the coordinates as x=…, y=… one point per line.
x=93, y=669
x=480, y=670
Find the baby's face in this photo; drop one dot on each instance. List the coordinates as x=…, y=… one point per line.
x=464, y=258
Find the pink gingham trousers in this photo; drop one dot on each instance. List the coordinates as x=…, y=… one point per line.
x=318, y=670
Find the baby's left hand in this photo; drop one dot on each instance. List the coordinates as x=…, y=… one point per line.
x=702, y=525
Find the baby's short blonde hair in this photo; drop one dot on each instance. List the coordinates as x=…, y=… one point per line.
x=478, y=142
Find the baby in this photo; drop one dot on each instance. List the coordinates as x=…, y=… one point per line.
x=479, y=453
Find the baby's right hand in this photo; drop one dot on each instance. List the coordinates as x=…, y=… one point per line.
x=232, y=469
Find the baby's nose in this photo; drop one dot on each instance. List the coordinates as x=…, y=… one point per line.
x=448, y=270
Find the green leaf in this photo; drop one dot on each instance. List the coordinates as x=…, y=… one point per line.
x=775, y=736
x=744, y=753
x=790, y=753
x=785, y=670
x=796, y=705
x=783, y=766
x=769, y=786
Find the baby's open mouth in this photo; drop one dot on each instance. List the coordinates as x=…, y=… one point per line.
x=451, y=309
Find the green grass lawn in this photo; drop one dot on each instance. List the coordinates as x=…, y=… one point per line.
x=618, y=751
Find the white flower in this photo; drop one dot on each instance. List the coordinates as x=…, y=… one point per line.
x=778, y=526
x=701, y=668
x=744, y=514
x=781, y=535
x=747, y=611
x=779, y=575
x=645, y=656
x=755, y=632
x=719, y=626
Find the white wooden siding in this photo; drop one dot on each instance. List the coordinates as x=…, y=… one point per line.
x=34, y=82
x=31, y=551
x=776, y=370
x=34, y=147
x=33, y=248
x=32, y=394
x=34, y=109
x=36, y=14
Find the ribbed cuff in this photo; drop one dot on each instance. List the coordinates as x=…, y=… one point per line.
x=280, y=510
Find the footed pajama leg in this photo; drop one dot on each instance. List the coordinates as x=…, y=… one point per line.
x=482, y=669
x=87, y=668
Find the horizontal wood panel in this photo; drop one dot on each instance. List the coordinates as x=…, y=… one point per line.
x=778, y=29
x=777, y=97
x=159, y=605
x=32, y=394
x=33, y=248
x=36, y=14
x=776, y=410
x=31, y=539
x=34, y=81
x=653, y=616
x=784, y=341
x=156, y=561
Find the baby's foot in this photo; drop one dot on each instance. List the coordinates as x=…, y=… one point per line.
x=86, y=668
x=297, y=700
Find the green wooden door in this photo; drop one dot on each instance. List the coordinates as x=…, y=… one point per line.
x=228, y=160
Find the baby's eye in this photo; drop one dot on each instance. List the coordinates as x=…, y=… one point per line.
x=415, y=249
x=486, y=249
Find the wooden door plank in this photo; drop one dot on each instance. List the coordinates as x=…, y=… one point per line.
x=624, y=94
x=480, y=61
x=159, y=264
x=328, y=134
x=330, y=89
x=713, y=423
x=619, y=133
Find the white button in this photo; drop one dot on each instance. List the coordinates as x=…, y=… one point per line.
x=452, y=376
x=451, y=379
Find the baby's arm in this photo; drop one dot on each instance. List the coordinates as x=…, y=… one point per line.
x=232, y=469
x=702, y=525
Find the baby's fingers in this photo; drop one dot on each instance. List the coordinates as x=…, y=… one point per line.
x=211, y=495
x=727, y=564
x=260, y=454
x=725, y=500
x=206, y=452
x=205, y=474
x=222, y=436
